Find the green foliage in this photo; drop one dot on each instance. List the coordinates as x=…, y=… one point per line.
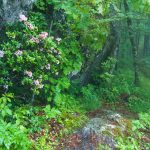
x=25, y=73
x=107, y=66
x=12, y=135
x=134, y=141
x=114, y=86
x=103, y=147
x=51, y=113
x=5, y=102
x=39, y=20
x=73, y=121
x=41, y=143
x=138, y=104
x=90, y=99
x=143, y=122
x=80, y=20
x=40, y=53
x=18, y=123
x=128, y=143
x=72, y=113
x=109, y=94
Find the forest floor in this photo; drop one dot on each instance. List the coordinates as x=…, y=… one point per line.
x=102, y=129
x=105, y=128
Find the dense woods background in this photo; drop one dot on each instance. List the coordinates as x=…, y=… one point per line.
x=61, y=60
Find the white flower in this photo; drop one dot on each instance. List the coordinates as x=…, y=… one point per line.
x=58, y=39
x=52, y=48
x=52, y=37
x=22, y=18
x=40, y=86
x=5, y=86
x=36, y=82
x=48, y=66
x=18, y=53
x=28, y=73
x=55, y=51
x=1, y=54
x=56, y=73
x=41, y=49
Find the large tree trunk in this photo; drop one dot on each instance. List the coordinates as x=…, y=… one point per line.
x=110, y=46
x=133, y=44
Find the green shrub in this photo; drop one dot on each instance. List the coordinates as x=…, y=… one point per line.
x=34, y=65
x=134, y=140
x=13, y=136
x=143, y=122
x=90, y=99
x=128, y=143
x=138, y=104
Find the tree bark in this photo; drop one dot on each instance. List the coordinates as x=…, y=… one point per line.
x=133, y=44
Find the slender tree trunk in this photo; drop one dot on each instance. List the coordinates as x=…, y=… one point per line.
x=115, y=55
x=133, y=44
x=146, y=49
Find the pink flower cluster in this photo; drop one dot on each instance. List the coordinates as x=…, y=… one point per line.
x=29, y=25
x=18, y=53
x=28, y=73
x=38, y=84
x=1, y=54
x=35, y=40
x=43, y=35
x=22, y=18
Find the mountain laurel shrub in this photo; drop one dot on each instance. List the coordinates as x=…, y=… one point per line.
x=32, y=62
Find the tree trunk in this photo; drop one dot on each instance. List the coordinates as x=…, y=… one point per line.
x=108, y=49
x=146, y=49
x=133, y=44
x=115, y=55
